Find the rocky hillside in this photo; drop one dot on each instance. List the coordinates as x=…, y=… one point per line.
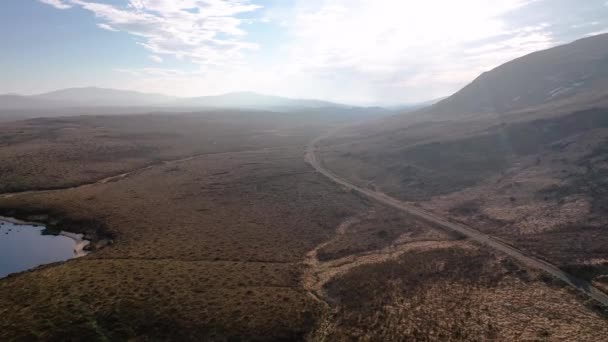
x=555, y=74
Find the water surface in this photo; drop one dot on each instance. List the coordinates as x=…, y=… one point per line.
x=23, y=247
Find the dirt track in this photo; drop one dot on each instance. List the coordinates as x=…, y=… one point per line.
x=467, y=231
x=118, y=177
x=318, y=273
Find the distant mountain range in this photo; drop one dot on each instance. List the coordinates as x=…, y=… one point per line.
x=101, y=97
x=255, y=101
x=82, y=97
x=18, y=102
x=408, y=107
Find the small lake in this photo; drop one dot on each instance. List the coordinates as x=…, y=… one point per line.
x=24, y=246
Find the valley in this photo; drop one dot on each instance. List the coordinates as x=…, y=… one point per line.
x=250, y=242
x=139, y=216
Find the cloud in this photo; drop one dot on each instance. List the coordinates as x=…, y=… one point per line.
x=156, y=59
x=59, y=4
x=153, y=72
x=344, y=50
x=595, y=33
x=397, y=46
x=206, y=32
x=107, y=27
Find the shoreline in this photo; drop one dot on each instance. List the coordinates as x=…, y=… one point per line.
x=14, y=220
x=90, y=235
x=80, y=243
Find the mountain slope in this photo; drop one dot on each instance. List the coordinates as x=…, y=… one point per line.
x=559, y=73
x=18, y=102
x=255, y=101
x=470, y=135
x=520, y=154
x=99, y=100
x=93, y=96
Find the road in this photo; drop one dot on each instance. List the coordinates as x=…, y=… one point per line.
x=473, y=234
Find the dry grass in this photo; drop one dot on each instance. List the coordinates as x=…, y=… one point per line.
x=208, y=248
x=266, y=205
x=379, y=228
x=455, y=294
x=537, y=182
x=171, y=299
x=58, y=152
x=215, y=248
x=545, y=204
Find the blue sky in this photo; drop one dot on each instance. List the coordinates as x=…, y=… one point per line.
x=356, y=51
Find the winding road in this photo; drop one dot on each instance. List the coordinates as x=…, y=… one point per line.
x=487, y=240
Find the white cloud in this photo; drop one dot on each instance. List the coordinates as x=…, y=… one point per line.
x=107, y=27
x=345, y=50
x=156, y=58
x=402, y=46
x=595, y=33
x=59, y=4
x=206, y=32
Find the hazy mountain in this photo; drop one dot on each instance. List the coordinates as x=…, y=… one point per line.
x=99, y=101
x=17, y=102
x=516, y=111
x=567, y=71
x=101, y=97
x=406, y=107
x=92, y=96
x=255, y=101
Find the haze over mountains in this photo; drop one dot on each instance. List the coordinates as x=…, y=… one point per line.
x=563, y=73
x=101, y=97
x=518, y=109
x=100, y=101
x=255, y=101
x=576, y=72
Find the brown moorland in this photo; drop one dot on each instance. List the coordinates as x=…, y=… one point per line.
x=48, y=153
x=207, y=248
x=247, y=242
x=456, y=292
x=539, y=185
x=520, y=153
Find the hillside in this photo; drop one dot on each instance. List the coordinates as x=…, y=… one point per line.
x=86, y=101
x=563, y=72
x=531, y=172
x=255, y=101
x=93, y=96
x=17, y=102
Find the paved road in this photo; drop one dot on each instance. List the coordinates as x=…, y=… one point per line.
x=467, y=231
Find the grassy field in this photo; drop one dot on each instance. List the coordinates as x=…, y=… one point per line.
x=538, y=183
x=208, y=248
x=436, y=158
x=220, y=246
x=455, y=293
x=49, y=153
x=379, y=228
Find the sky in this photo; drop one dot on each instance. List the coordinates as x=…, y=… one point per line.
x=351, y=51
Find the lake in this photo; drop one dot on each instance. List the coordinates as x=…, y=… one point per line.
x=24, y=246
